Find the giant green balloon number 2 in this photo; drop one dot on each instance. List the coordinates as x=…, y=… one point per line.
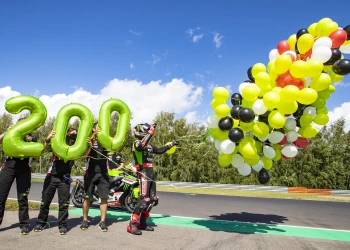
x=13, y=144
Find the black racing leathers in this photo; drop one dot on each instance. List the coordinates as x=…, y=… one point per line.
x=57, y=178
x=19, y=169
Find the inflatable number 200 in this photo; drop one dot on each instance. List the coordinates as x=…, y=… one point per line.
x=14, y=145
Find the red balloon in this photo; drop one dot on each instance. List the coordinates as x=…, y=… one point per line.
x=338, y=38
x=283, y=46
x=283, y=80
x=285, y=157
x=301, y=142
x=298, y=82
x=306, y=56
x=284, y=141
x=291, y=55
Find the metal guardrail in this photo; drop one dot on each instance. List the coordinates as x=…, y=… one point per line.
x=280, y=189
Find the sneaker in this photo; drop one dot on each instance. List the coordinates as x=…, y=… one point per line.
x=103, y=226
x=24, y=230
x=39, y=228
x=63, y=231
x=84, y=225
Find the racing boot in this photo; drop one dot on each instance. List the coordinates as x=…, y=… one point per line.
x=143, y=225
x=132, y=227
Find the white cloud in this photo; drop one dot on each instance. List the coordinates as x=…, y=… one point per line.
x=212, y=86
x=228, y=87
x=132, y=65
x=144, y=100
x=191, y=117
x=341, y=84
x=196, y=38
x=220, y=56
x=209, y=72
x=217, y=39
x=199, y=76
x=135, y=33
x=156, y=59
x=190, y=32
x=36, y=93
x=167, y=73
x=342, y=111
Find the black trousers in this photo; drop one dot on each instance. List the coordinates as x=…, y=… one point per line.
x=51, y=184
x=19, y=170
x=148, y=191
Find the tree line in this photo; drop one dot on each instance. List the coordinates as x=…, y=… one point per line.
x=324, y=164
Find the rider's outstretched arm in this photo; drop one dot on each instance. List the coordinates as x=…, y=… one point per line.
x=165, y=148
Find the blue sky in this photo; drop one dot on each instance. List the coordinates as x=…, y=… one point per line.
x=51, y=47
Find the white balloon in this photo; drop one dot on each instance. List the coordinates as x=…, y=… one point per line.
x=227, y=146
x=321, y=53
x=241, y=86
x=269, y=152
x=292, y=53
x=263, y=139
x=237, y=161
x=290, y=151
x=259, y=107
x=345, y=49
x=217, y=145
x=290, y=124
x=245, y=170
x=213, y=121
x=273, y=54
x=292, y=136
x=307, y=81
x=275, y=137
x=310, y=111
x=258, y=166
x=323, y=41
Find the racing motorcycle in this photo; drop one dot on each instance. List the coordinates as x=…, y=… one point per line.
x=124, y=192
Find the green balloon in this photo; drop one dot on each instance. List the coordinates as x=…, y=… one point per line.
x=305, y=120
x=58, y=142
x=217, y=134
x=322, y=110
x=13, y=144
x=319, y=103
x=225, y=159
x=117, y=142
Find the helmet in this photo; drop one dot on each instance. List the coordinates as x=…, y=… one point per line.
x=141, y=130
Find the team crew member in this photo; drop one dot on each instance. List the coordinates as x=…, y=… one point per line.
x=115, y=163
x=96, y=175
x=143, y=155
x=19, y=169
x=58, y=178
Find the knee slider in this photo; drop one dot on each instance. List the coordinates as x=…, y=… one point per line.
x=145, y=202
x=155, y=200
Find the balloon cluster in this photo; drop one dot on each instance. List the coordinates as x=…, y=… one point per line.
x=278, y=109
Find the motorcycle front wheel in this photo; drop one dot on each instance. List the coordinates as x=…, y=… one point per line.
x=78, y=197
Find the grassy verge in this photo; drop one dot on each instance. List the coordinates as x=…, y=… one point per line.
x=12, y=205
x=260, y=194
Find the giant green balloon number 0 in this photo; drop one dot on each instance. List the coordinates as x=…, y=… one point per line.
x=13, y=144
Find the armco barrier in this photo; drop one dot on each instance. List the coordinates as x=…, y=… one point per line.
x=236, y=187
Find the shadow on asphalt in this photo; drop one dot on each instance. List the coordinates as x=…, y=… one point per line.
x=243, y=223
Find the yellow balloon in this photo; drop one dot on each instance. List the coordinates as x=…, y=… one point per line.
x=289, y=93
x=283, y=63
x=299, y=69
x=277, y=146
x=320, y=24
x=247, y=149
x=171, y=150
x=262, y=80
x=314, y=68
x=331, y=88
x=246, y=127
x=260, y=130
x=309, y=132
x=292, y=40
x=258, y=147
x=257, y=68
x=273, y=76
x=321, y=82
x=252, y=161
x=277, y=89
x=321, y=119
x=305, y=120
x=327, y=68
x=265, y=90
x=250, y=92
x=271, y=65
x=335, y=77
x=346, y=42
x=222, y=110
x=312, y=29
x=235, y=123
x=319, y=103
x=278, y=155
x=217, y=134
x=305, y=43
x=225, y=159
x=307, y=96
x=276, y=119
x=247, y=104
x=267, y=162
x=215, y=103
x=271, y=100
x=328, y=28
x=221, y=93
x=287, y=107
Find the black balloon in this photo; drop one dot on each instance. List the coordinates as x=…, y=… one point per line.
x=250, y=81
x=226, y=123
x=347, y=29
x=236, y=99
x=300, y=110
x=235, y=135
x=246, y=115
x=263, y=176
x=298, y=123
x=296, y=48
x=250, y=75
x=234, y=111
x=301, y=32
x=336, y=55
x=264, y=117
x=341, y=67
